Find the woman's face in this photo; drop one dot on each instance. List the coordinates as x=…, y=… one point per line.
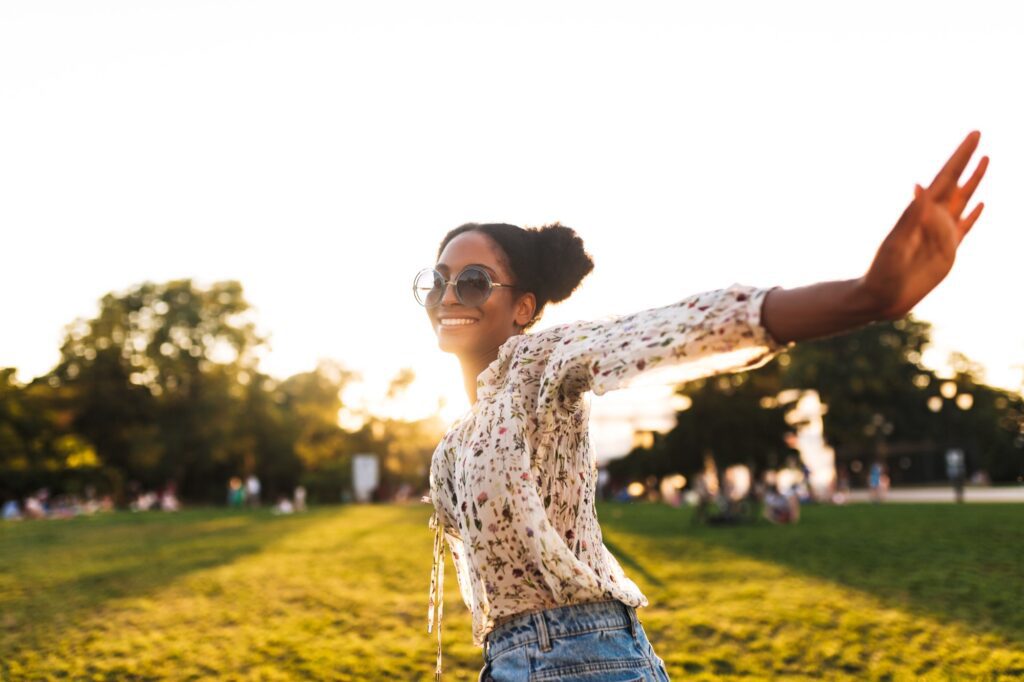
x=492, y=322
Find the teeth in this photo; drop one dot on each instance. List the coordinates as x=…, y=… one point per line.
x=455, y=321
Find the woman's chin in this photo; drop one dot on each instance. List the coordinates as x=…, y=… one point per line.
x=452, y=342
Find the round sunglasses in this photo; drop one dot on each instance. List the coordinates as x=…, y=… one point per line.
x=472, y=286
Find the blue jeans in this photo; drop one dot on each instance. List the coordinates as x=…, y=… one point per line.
x=593, y=642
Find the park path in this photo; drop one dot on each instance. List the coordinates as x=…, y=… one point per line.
x=945, y=494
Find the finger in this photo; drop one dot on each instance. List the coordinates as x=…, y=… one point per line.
x=967, y=223
x=914, y=210
x=964, y=194
x=946, y=179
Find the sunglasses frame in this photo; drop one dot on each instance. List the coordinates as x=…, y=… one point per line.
x=454, y=280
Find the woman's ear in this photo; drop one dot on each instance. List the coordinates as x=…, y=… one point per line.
x=526, y=306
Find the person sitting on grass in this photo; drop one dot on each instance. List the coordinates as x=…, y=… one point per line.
x=781, y=507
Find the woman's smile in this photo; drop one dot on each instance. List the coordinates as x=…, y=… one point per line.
x=456, y=321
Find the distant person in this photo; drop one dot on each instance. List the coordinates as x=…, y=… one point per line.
x=807, y=490
x=980, y=477
x=252, y=491
x=34, y=508
x=404, y=493
x=236, y=493
x=670, y=492
x=145, y=501
x=706, y=491
x=12, y=512
x=513, y=477
x=878, y=480
x=168, y=498
x=283, y=506
x=841, y=486
x=779, y=507
x=300, y=498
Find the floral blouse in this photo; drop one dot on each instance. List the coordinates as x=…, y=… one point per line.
x=513, y=481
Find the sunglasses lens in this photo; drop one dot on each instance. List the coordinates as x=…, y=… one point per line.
x=428, y=287
x=473, y=286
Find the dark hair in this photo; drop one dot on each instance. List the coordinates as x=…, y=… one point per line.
x=548, y=261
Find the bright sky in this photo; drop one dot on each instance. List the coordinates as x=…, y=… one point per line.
x=318, y=152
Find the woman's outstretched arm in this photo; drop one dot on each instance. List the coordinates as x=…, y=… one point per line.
x=818, y=310
x=914, y=257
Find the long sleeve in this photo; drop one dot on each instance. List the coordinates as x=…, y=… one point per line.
x=702, y=335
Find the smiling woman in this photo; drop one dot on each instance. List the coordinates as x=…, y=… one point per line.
x=513, y=480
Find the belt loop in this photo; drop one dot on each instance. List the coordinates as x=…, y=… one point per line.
x=633, y=620
x=542, y=631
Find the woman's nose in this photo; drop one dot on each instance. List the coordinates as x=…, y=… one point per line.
x=449, y=297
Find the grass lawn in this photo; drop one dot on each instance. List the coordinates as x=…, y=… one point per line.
x=901, y=592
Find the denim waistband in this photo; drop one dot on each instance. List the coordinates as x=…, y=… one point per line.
x=559, y=621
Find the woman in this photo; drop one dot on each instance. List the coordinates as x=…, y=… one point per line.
x=513, y=481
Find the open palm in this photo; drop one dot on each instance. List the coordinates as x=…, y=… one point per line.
x=919, y=251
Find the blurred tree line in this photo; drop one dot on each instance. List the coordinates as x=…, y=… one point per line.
x=880, y=402
x=163, y=386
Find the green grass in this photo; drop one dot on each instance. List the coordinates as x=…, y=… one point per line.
x=901, y=592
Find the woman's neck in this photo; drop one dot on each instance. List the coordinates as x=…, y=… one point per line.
x=471, y=369
x=473, y=365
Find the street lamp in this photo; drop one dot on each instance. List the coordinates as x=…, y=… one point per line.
x=955, y=461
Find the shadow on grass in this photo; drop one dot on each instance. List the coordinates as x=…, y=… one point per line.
x=53, y=571
x=632, y=564
x=950, y=562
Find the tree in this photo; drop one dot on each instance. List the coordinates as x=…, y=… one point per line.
x=157, y=381
x=735, y=417
x=881, y=402
x=868, y=378
x=37, y=447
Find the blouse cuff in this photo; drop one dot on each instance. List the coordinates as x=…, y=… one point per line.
x=754, y=314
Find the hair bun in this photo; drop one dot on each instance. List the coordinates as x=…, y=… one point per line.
x=561, y=260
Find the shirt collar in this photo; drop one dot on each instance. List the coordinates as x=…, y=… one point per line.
x=493, y=376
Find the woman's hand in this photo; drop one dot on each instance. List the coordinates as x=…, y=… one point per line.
x=919, y=251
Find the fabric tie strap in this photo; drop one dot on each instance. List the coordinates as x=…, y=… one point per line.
x=435, y=606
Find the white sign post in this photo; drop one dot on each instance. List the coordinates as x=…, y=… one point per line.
x=365, y=476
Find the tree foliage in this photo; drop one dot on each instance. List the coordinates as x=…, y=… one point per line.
x=162, y=386
x=879, y=399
